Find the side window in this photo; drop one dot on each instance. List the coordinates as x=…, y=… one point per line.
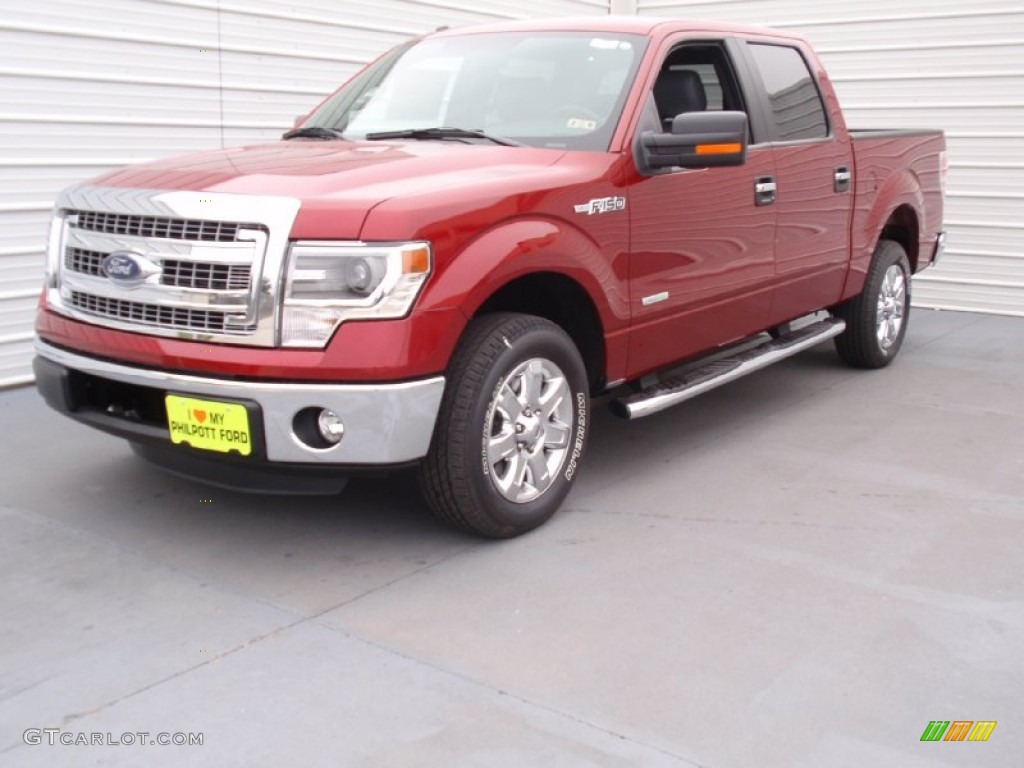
x=794, y=98
x=695, y=78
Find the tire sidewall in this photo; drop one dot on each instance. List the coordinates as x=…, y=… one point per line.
x=889, y=255
x=553, y=345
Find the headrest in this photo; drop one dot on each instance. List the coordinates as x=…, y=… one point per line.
x=677, y=91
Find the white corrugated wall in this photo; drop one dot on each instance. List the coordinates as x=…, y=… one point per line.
x=944, y=64
x=89, y=85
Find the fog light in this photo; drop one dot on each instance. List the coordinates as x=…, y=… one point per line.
x=330, y=425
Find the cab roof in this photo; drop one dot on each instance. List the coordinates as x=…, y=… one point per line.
x=638, y=25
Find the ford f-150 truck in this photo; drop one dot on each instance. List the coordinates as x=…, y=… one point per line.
x=482, y=230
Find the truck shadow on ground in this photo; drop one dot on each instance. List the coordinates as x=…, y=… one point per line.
x=394, y=500
x=391, y=506
x=100, y=486
x=311, y=553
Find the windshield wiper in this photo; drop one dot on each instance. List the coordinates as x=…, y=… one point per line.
x=314, y=132
x=441, y=133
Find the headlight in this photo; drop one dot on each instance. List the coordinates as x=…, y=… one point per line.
x=329, y=282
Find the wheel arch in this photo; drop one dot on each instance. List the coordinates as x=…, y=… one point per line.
x=566, y=303
x=893, y=212
x=903, y=227
x=547, y=267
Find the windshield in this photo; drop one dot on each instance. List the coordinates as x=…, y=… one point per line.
x=549, y=89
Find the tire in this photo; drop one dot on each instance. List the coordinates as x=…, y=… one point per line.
x=876, y=320
x=512, y=428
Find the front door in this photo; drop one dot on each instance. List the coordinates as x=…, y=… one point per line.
x=702, y=253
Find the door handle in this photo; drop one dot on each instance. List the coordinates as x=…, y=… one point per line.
x=764, y=190
x=841, y=179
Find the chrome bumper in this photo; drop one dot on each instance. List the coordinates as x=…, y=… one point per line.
x=384, y=423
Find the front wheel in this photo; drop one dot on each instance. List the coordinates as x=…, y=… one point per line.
x=876, y=320
x=512, y=428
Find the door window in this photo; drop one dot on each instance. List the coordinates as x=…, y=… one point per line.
x=696, y=77
x=796, y=105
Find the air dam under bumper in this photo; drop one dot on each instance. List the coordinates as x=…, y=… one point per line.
x=385, y=424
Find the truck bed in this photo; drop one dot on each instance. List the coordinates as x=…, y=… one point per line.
x=916, y=184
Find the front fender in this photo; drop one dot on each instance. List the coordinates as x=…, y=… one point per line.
x=524, y=246
x=518, y=247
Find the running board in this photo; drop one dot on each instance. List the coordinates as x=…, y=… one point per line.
x=695, y=382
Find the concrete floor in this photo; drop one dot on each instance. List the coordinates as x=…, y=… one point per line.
x=801, y=569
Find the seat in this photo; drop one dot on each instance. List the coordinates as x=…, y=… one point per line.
x=677, y=91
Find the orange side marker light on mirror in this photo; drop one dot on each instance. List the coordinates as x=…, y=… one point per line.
x=719, y=149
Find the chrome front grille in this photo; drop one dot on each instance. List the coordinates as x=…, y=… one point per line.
x=205, y=276
x=84, y=261
x=178, y=291
x=187, y=265
x=157, y=226
x=150, y=314
x=202, y=275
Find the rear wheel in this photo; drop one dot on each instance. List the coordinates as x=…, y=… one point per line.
x=512, y=427
x=876, y=320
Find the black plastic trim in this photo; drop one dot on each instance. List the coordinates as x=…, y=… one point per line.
x=257, y=476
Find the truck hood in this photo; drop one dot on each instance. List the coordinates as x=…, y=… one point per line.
x=339, y=182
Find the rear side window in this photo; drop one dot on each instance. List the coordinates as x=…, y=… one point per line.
x=794, y=98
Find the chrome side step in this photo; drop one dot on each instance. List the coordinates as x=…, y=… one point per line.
x=680, y=388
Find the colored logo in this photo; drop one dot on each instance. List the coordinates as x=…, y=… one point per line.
x=127, y=268
x=958, y=730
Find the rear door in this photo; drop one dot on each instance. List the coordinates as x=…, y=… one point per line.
x=701, y=263
x=814, y=181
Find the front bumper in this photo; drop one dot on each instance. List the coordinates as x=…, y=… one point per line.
x=385, y=424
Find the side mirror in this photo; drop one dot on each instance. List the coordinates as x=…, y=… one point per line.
x=698, y=140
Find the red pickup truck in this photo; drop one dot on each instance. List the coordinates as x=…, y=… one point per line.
x=482, y=230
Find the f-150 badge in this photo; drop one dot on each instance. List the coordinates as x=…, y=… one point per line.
x=602, y=205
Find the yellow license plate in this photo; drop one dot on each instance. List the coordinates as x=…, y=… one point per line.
x=208, y=424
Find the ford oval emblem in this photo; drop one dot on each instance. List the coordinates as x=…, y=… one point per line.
x=127, y=268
